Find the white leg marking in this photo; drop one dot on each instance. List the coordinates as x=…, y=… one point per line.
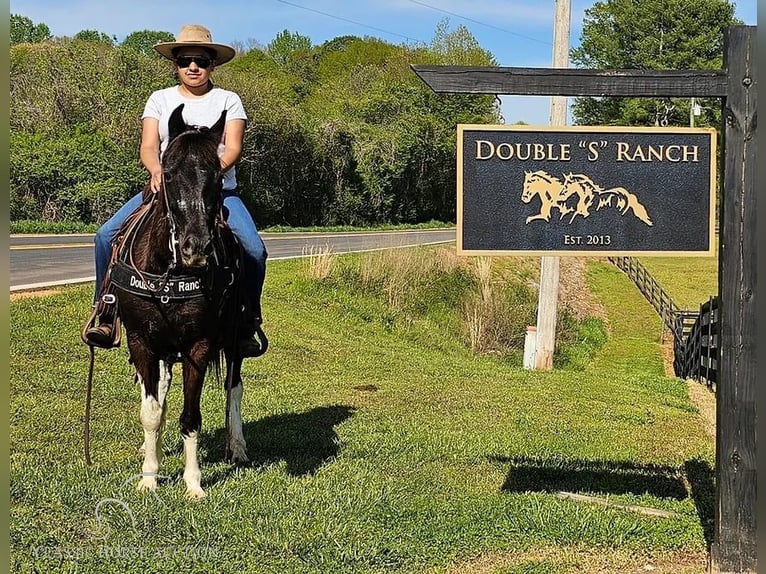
x=192, y=475
x=142, y=448
x=151, y=419
x=166, y=377
x=236, y=438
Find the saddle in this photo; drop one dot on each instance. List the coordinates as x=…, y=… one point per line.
x=106, y=302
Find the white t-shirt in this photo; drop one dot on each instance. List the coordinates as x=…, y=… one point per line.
x=204, y=111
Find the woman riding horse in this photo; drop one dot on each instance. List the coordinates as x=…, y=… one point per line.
x=194, y=56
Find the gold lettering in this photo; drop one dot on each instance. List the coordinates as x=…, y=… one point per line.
x=671, y=148
x=520, y=155
x=655, y=153
x=539, y=151
x=593, y=151
x=507, y=146
x=479, y=144
x=690, y=152
x=565, y=152
x=622, y=151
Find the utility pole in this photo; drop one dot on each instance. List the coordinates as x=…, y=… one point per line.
x=692, y=105
x=547, y=299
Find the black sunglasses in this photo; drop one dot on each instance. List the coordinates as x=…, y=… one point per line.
x=185, y=61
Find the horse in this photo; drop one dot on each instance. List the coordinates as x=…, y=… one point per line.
x=176, y=284
x=577, y=194
x=549, y=189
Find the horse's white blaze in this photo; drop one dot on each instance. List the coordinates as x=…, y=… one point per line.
x=192, y=475
x=153, y=418
x=237, y=438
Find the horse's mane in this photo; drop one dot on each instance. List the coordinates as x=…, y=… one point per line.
x=544, y=175
x=195, y=145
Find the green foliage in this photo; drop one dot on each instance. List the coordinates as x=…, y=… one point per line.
x=143, y=41
x=459, y=47
x=652, y=34
x=409, y=288
x=577, y=341
x=76, y=176
x=58, y=227
x=286, y=45
x=339, y=134
x=23, y=30
x=95, y=36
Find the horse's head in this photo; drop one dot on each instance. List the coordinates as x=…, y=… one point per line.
x=192, y=187
x=528, y=191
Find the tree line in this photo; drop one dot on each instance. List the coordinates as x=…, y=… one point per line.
x=340, y=133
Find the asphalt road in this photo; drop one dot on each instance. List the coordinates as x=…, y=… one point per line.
x=39, y=261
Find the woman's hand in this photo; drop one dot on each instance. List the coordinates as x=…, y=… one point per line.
x=155, y=183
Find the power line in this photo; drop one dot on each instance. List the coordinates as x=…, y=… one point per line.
x=351, y=21
x=481, y=23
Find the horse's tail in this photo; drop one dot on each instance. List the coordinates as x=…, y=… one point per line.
x=625, y=201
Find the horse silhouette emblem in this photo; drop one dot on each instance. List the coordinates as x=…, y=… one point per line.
x=577, y=195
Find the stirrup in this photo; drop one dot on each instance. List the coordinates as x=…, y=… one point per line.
x=254, y=346
x=96, y=335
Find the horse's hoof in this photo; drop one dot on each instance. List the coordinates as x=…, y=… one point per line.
x=147, y=483
x=195, y=493
x=238, y=454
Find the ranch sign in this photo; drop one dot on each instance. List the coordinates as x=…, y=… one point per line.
x=525, y=190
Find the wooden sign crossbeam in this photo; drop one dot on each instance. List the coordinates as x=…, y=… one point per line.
x=572, y=82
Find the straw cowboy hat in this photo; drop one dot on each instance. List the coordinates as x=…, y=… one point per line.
x=196, y=35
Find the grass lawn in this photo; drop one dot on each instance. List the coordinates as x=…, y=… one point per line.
x=376, y=446
x=700, y=278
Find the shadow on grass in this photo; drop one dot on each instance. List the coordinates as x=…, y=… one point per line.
x=701, y=478
x=305, y=441
x=529, y=474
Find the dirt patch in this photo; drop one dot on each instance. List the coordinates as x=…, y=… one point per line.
x=573, y=289
x=704, y=399
x=16, y=295
x=584, y=561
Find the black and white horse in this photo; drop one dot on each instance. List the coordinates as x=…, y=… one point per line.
x=176, y=286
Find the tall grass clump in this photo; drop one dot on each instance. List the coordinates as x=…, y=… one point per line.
x=481, y=304
x=496, y=312
x=319, y=262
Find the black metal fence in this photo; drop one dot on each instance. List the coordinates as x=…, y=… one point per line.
x=695, y=333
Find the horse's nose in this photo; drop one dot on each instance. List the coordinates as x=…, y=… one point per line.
x=192, y=252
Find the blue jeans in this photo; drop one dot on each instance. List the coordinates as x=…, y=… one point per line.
x=240, y=222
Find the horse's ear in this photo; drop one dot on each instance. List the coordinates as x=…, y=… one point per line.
x=176, y=123
x=217, y=128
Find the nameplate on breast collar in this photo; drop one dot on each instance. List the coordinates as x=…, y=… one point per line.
x=151, y=285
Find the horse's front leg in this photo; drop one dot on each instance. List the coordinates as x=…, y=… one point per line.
x=194, y=368
x=154, y=376
x=236, y=438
